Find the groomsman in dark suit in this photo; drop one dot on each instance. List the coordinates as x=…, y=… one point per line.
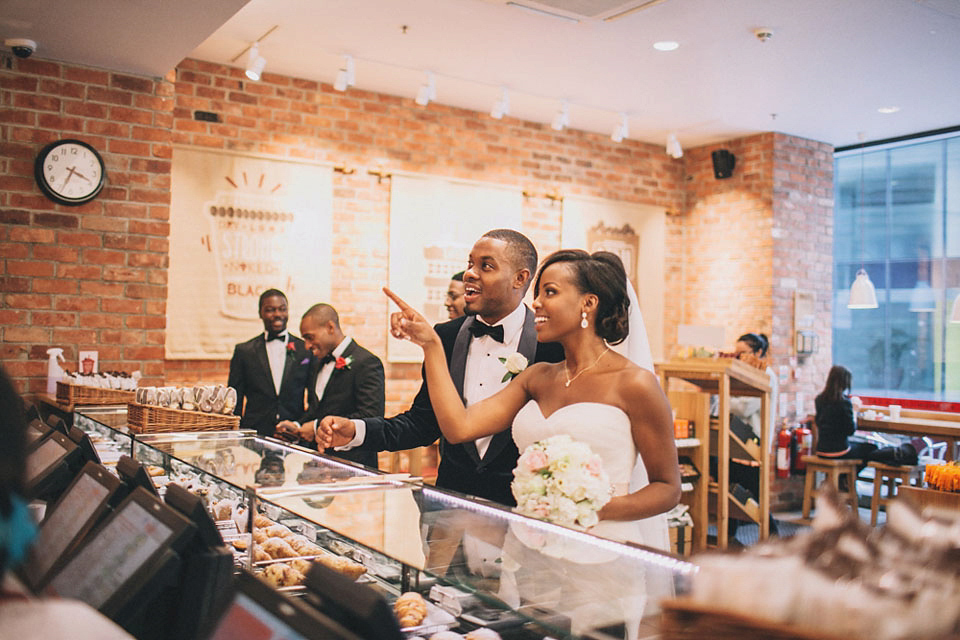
x=270, y=371
x=345, y=380
x=497, y=325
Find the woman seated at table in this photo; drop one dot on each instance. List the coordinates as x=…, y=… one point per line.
x=835, y=424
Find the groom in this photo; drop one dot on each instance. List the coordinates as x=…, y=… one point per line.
x=497, y=325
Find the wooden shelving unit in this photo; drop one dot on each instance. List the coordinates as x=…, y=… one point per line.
x=694, y=406
x=726, y=378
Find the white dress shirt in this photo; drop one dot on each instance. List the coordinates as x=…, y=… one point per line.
x=276, y=356
x=327, y=370
x=483, y=372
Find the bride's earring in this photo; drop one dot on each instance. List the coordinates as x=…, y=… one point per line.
x=583, y=320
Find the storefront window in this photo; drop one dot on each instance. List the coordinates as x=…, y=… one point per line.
x=897, y=215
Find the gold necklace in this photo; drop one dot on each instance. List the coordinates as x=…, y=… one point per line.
x=579, y=373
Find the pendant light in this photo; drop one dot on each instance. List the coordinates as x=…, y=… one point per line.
x=863, y=295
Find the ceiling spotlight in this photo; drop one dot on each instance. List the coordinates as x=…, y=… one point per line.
x=890, y=109
x=622, y=130
x=666, y=45
x=562, y=117
x=427, y=91
x=674, y=150
x=346, y=77
x=255, y=63
x=502, y=106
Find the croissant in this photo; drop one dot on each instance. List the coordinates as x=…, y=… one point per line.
x=262, y=521
x=410, y=609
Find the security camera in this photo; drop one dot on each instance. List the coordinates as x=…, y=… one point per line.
x=22, y=48
x=763, y=34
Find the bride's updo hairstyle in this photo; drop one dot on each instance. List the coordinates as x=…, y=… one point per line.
x=601, y=274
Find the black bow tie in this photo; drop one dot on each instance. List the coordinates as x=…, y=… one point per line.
x=276, y=336
x=480, y=329
x=327, y=359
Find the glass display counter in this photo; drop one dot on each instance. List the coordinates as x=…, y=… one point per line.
x=476, y=564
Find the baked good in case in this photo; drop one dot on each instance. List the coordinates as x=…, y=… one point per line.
x=410, y=609
x=349, y=568
x=300, y=564
x=259, y=555
x=260, y=536
x=278, y=531
x=279, y=548
x=282, y=575
x=261, y=521
x=483, y=634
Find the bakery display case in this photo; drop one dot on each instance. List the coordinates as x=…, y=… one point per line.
x=446, y=563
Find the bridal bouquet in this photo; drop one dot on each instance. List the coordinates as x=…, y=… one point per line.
x=562, y=481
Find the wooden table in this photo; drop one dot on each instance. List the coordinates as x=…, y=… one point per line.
x=948, y=430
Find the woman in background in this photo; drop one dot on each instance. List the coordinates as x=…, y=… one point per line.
x=752, y=348
x=835, y=423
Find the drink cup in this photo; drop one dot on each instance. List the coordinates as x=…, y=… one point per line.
x=895, y=411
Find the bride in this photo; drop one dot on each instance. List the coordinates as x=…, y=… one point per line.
x=596, y=395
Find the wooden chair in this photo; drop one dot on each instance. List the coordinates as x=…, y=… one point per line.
x=833, y=468
x=889, y=474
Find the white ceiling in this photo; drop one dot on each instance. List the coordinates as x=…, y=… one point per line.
x=828, y=67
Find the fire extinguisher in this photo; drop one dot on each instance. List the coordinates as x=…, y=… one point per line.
x=783, y=452
x=804, y=447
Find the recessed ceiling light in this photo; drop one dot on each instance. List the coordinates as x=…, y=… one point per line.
x=665, y=45
x=888, y=109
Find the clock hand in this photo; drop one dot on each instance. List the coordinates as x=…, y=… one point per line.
x=70, y=172
x=80, y=175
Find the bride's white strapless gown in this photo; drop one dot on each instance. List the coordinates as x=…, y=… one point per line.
x=595, y=587
x=606, y=430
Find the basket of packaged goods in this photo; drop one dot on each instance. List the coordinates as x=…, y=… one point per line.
x=72, y=393
x=200, y=408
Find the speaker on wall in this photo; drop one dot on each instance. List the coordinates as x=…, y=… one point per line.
x=723, y=163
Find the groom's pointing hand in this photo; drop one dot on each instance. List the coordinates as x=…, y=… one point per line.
x=407, y=324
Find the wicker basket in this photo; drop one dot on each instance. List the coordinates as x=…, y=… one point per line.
x=685, y=620
x=79, y=394
x=144, y=418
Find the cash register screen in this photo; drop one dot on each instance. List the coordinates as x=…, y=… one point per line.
x=246, y=619
x=64, y=523
x=113, y=556
x=43, y=457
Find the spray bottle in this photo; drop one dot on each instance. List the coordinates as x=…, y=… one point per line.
x=54, y=370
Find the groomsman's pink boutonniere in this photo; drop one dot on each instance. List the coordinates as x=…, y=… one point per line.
x=343, y=363
x=291, y=348
x=514, y=364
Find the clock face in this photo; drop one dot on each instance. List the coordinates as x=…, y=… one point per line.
x=70, y=172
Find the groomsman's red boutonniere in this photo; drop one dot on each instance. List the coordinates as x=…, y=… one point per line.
x=514, y=364
x=291, y=348
x=343, y=363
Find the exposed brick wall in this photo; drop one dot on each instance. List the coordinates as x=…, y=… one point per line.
x=803, y=256
x=113, y=252
x=92, y=276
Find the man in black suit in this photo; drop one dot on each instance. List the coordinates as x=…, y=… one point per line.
x=345, y=380
x=497, y=325
x=270, y=370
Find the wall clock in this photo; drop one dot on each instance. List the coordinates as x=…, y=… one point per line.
x=70, y=172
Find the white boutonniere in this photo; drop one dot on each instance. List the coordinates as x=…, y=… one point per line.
x=514, y=364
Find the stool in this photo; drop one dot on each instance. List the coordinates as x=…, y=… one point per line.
x=889, y=474
x=833, y=468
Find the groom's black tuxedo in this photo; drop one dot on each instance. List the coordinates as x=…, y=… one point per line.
x=354, y=391
x=461, y=468
x=250, y=376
